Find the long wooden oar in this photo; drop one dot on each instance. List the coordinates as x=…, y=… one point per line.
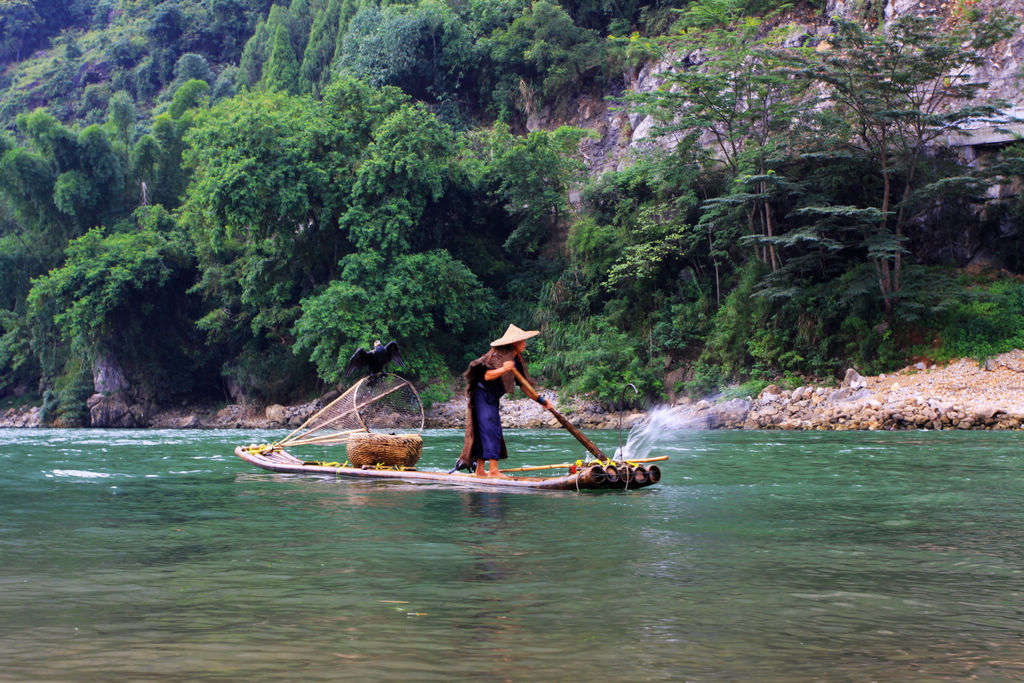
x=587, y=443
x=566, y=465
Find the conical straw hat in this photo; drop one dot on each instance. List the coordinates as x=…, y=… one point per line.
x=514, y=334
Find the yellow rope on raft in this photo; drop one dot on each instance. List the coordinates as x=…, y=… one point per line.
x=585, y=463
x=349, y=465
x=321, y=463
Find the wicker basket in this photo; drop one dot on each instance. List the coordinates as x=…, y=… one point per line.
x=366, y=448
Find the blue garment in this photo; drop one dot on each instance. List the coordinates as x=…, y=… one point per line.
x=488, y=422
x=483, y=437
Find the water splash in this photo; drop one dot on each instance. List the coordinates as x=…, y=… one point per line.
x=663, y=424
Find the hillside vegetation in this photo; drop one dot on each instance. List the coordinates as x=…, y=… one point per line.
x=212, y=200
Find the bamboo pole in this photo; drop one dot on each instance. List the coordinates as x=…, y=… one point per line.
x=587, y=443
x=331, y=439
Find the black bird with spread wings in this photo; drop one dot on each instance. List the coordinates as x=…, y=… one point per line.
x=375, y=360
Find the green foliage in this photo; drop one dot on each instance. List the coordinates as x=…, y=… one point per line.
x=61, y=183
x=191, y=66
x=322, y=45
x=727, y=346
x=321, y=212
x=281, y=71
x=166, y=23
x=406, y=167
x=616, y=16
x=541, y=58
x=258, y=55
x=190, y=95
x=358, y=173
x=18, y=363
x=900, y=91
x=224, y=86
x=637, y=238
x=530, y=176
x=48, y=407
x=267, y=372
x=422, y=48
x=18, y=21
x=102, y=281
x=987, y=321
x=597, y=359
x=711, y=14
x=27, y=25
x=707, y=379
x=116, y=296
x=425, y=301
x=435, y=392
x=71, y=390
x=752, y=388
x=93, y=104
x=256, y=51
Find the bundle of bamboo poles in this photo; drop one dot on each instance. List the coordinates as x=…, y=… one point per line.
x=620, y=476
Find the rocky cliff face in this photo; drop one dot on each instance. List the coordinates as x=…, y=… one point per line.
x=112, y=404
x=1005, y=60
x=622, y=133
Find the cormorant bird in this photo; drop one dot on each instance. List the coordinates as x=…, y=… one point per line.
x=376, y=359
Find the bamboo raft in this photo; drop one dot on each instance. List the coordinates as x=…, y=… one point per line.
x=591, y=476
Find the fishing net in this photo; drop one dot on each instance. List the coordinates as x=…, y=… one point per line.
x=382, y=402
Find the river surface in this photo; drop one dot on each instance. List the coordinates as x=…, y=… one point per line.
x=160, y=556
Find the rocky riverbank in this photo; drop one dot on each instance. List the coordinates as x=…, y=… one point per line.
x=962, y=395
x=965, y=394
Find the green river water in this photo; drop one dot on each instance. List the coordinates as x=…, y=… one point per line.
x=766, y=556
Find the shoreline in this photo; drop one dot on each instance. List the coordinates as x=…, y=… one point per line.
x=964, y=394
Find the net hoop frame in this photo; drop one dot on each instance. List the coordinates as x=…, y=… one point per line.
x=352, y=393
x=363, y=383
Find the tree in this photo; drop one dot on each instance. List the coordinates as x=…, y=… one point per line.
x=19, y=21
x=264, y=41
x=734, y=107
x=145, y=164
x=59, y=185
x=170, y=177
x=424, y=300
x=189, y=95
x=281, y=71
x=255, y=52
x=191, y=66
x=320, y=49
x=166, y=24
x=541, y=58
x=122, y=116
x=408, y=166
x=121, y=298
x=228, y=25
x=900, y=91
x=273, y=175
x=530, y=177
x=424, y=49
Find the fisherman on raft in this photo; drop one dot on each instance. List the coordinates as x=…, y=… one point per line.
x=488, y=378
